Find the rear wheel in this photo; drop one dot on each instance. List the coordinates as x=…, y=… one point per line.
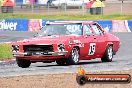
x=74, y=57
x=23, y=63
x=108, y=55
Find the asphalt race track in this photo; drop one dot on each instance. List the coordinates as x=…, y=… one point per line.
x=121, y=61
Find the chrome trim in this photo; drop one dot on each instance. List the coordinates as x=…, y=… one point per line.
x=62, y=53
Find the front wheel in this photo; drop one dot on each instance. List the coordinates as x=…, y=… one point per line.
x=108, y=55
x=23, y=63
x=74, y=57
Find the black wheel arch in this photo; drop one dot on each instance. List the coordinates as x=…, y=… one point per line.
x=77, y=48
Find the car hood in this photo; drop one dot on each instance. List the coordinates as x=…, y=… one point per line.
x=54, y=39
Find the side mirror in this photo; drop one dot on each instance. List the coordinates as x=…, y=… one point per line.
x=35, y=35
x=41, y=28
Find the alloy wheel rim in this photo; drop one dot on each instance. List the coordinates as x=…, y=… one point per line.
x=75, y=55
x=110, y=53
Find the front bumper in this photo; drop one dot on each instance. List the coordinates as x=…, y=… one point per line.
x=26, y=54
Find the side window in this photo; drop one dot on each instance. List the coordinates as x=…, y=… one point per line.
x=96, y=30
x=87, y=30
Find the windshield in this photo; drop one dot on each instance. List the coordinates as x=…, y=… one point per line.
x=61, y=29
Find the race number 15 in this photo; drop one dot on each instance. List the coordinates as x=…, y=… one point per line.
x=92, y=48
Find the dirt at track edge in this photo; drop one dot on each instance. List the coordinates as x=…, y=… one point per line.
x=67, y=80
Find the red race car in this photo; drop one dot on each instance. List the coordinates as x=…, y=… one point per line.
x=66, y=43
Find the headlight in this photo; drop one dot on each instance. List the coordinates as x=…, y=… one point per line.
x=61, y=47
x=15, y=48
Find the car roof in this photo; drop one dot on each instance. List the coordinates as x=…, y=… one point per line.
x=71, y=22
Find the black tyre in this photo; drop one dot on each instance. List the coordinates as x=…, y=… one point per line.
x=61, y=62
x=74, y=57
x=23, y=63
x=81, y=80
x=108, y=55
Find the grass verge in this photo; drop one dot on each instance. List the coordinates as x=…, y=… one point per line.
x=64, y=16
x=5, y=52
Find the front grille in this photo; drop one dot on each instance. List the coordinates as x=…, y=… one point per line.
x=38, y=48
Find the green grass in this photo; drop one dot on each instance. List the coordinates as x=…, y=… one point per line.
x=5, y=52
x=64, y=16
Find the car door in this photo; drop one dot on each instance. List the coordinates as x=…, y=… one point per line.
x=89, y=40
x=99, y=39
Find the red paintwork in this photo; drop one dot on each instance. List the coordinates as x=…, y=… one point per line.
x=8, y=3
x=101, y=44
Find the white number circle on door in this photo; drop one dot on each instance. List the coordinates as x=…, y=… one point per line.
x=92, y=48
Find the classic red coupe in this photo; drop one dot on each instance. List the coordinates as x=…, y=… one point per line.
x=66, y=43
